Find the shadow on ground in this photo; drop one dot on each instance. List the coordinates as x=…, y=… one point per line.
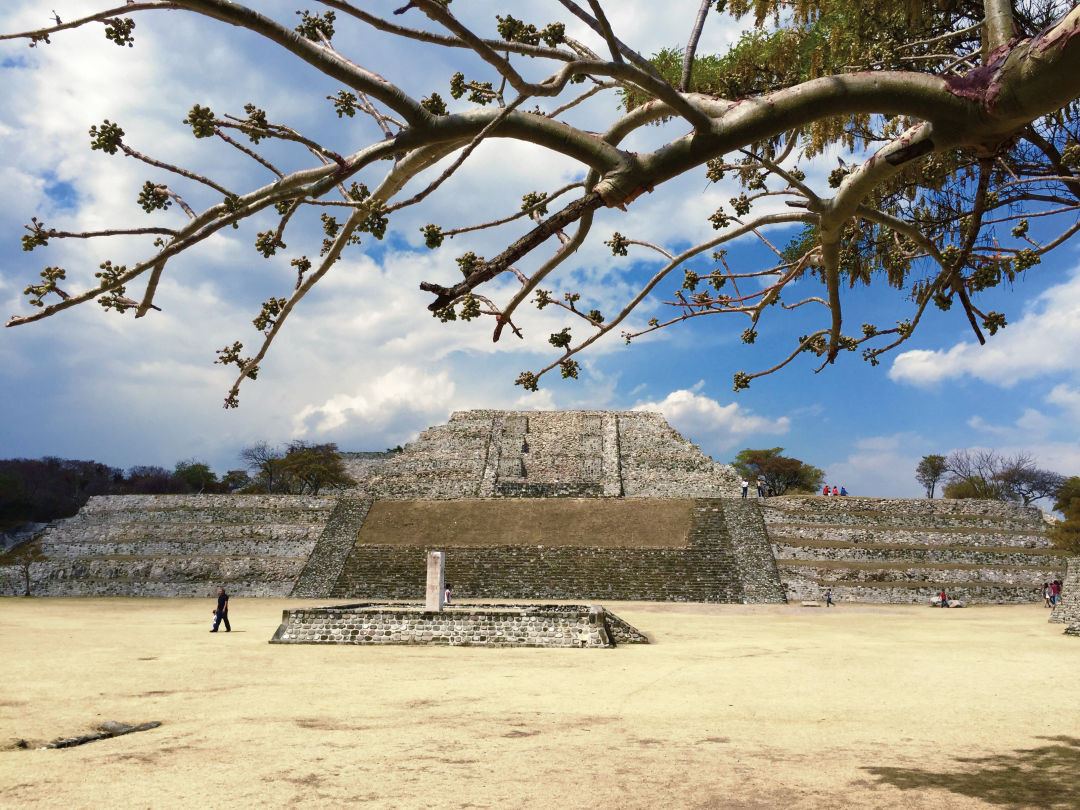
x=1042, y=777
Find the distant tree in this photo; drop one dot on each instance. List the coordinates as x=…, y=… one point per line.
x=197, y=475
x=22, y=557
x=40, y=490
x=264, y=460
x=972, y=474
x=964, y=488
x=1024, y=482
x=781, y=474
x=313, y=467
x=930, y=470
x=1066, y=534
x=151, y=480
x=235, y=480
x=988, y=474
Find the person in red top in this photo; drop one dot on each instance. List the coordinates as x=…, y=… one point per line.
x=835, y=491
x=825, y=490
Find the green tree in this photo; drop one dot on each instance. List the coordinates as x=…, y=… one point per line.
x=971, y=488
x=23, y=557
x=197, y=475
x=1066, y=534
x=968, y=111
x=781, y=474
x=313, y=467
x=930, y=470
x=235, y=480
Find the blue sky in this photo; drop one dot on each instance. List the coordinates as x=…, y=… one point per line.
x=362, y=363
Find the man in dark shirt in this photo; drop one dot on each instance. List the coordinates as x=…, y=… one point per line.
x=221, y=612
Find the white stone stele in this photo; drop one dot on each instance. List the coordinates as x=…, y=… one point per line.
x=436, y=581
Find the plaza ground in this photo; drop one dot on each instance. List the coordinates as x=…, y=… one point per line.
x=732, y=707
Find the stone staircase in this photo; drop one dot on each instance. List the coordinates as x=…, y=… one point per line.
x=905, y=551
x=324, y=566
x=180, y=545
x=758, y=573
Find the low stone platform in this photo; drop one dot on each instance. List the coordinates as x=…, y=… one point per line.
x=462, y=625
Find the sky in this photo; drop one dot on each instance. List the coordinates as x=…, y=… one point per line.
x=362, y=363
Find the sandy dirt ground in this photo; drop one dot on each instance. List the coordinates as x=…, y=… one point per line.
x=731, y=707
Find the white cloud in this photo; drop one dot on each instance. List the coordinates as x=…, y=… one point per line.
x=715, y=427
x=881, y=466
x=1068, y=398
x=1043, y=340
x=402, y=393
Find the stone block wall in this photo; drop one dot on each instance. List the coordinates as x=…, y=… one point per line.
x=906, y=550
x=178, y=545
x=712, y=566
x=461, y=626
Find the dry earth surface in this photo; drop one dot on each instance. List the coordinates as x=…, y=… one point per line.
x=732, y=707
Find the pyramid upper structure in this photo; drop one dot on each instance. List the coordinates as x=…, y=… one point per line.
x=536, y=454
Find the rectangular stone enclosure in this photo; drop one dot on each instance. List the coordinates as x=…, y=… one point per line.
x=461, y=626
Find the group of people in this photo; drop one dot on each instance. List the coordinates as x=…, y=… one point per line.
x=825, y=490
x=763, y=491
x=1051, y=592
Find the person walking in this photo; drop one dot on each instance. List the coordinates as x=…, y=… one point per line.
x=828, y=598
x=221, y=612
x=1055, y=592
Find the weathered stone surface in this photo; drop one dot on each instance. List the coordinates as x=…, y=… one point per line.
x=905, y=550
x=458, y=625
x=713, y=564
x=493, y=454
x=177, y=545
